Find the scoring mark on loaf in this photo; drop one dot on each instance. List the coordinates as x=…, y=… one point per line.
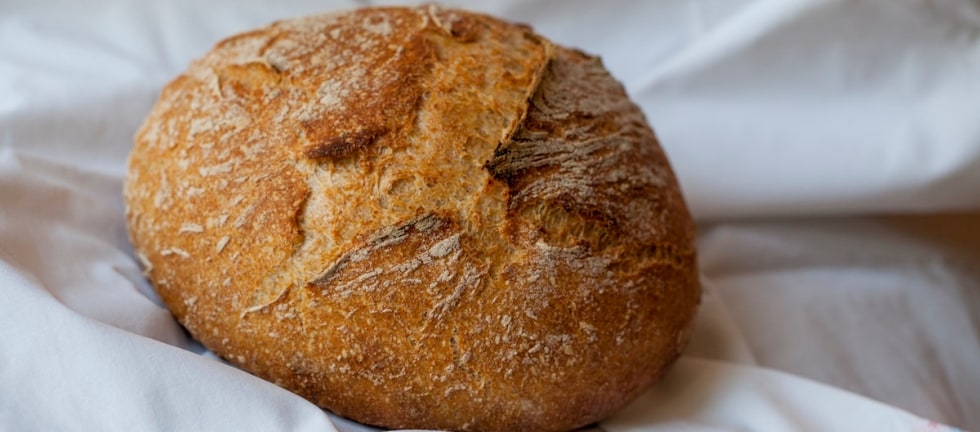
x=345, y=145
x=427, y=226
x=426, y=253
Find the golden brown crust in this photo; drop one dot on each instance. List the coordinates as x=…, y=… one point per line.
x=417, y=218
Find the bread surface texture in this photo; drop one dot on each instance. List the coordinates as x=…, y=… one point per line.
x=417, y=218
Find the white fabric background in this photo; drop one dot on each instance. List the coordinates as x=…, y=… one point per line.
x=789, y=122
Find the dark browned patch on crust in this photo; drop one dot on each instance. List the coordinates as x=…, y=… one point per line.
x=383, y=101
x=345, y=145
x=464, y=29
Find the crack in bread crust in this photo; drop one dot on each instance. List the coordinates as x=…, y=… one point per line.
x=345, y=145
x=418, y=218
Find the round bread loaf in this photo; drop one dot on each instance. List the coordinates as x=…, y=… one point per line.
x=417, y=218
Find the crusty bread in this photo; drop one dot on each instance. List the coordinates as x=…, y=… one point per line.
x=417, y=218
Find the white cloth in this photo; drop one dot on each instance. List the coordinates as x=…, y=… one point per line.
x=767, y=109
